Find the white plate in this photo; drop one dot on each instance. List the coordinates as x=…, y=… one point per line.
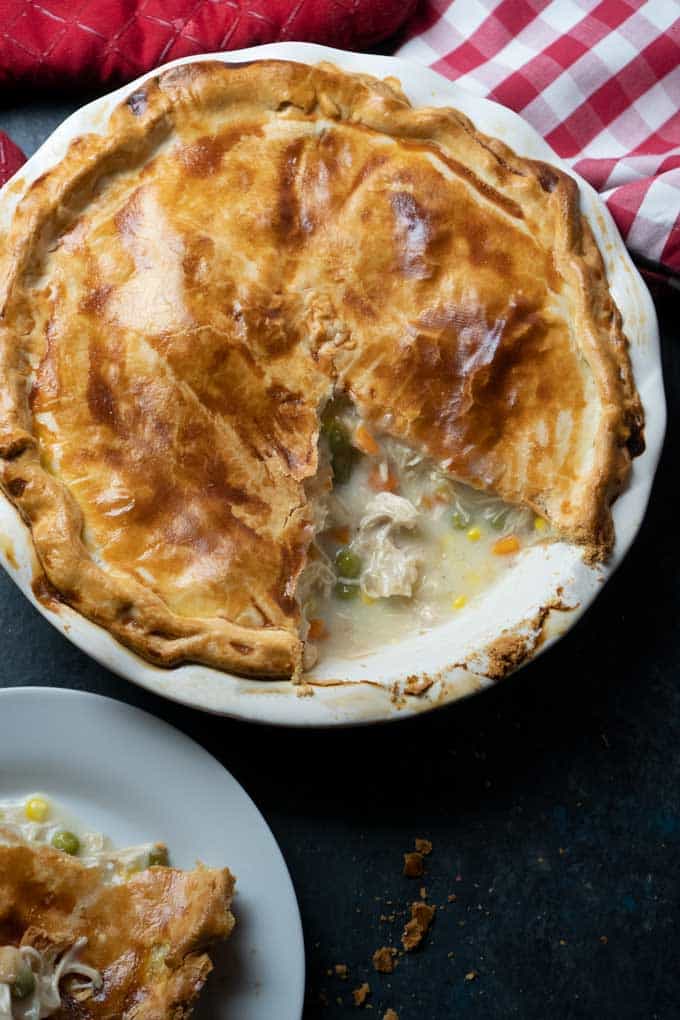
x=371, y=688
x=136, y=779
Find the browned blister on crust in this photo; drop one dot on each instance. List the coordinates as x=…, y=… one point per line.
x=147, y=937
x=181, y=295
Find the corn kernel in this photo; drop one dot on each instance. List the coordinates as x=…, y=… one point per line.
x=459, y=602
x=539, y=524
x=474, y=534
x=36, y=809
x=366, y=599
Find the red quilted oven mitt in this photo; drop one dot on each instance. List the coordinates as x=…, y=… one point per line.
x=11, y=158
x=60, y=42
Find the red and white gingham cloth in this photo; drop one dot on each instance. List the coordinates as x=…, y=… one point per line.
x=599, y=81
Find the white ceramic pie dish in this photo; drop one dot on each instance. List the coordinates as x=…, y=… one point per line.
x=538, y=599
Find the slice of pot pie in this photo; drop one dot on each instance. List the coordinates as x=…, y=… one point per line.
x=75, y=944
x=251, y=257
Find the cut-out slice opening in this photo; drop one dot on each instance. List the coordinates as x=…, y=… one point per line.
x=399, y=545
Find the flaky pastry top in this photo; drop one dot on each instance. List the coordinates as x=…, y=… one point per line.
x=183, y=292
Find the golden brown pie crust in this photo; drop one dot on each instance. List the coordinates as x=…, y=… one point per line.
x=147, y=936
x=180, y=295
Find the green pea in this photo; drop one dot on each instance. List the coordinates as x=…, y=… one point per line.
x=24, y=983
x=343, y=454
x=459, y=521
x=66, y=841
x=336, y=433
x=348, y=563
x=158, y=857
x=342, y=463
x=346, y=591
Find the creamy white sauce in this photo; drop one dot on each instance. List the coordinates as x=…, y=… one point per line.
x=428, y=549
x=96, y=849
x=49, y=968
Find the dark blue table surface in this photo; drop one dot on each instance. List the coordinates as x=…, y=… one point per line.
x=551, y=800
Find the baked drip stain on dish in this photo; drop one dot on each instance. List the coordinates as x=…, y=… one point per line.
x=94, y=931
x=184, y=295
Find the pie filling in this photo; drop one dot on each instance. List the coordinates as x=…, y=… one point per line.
x=30, y=978
x=399, y=545
x=40, y=822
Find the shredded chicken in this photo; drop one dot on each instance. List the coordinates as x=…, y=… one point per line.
x=48, y=969
x=317, y=578
x=380, y=545
x=420, y=474
x=318, y=489
x=390, y=569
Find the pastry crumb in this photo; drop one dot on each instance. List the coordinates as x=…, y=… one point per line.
x=361, y=993
x=413, y=864
x=452, y=897
x=423, y=892
x=471, y=975
x=416, y=685
x=342, y=970
x=391, y=1015
x=423, y=846
x=422, y=915
x=384, y=959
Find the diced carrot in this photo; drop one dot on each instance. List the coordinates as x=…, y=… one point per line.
x=317, y=629
x=341, y=534
x=383, y=481
x=365, y=441
x=506, y=546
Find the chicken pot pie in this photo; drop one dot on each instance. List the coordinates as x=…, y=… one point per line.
x=91, y=932
x=257, y=277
